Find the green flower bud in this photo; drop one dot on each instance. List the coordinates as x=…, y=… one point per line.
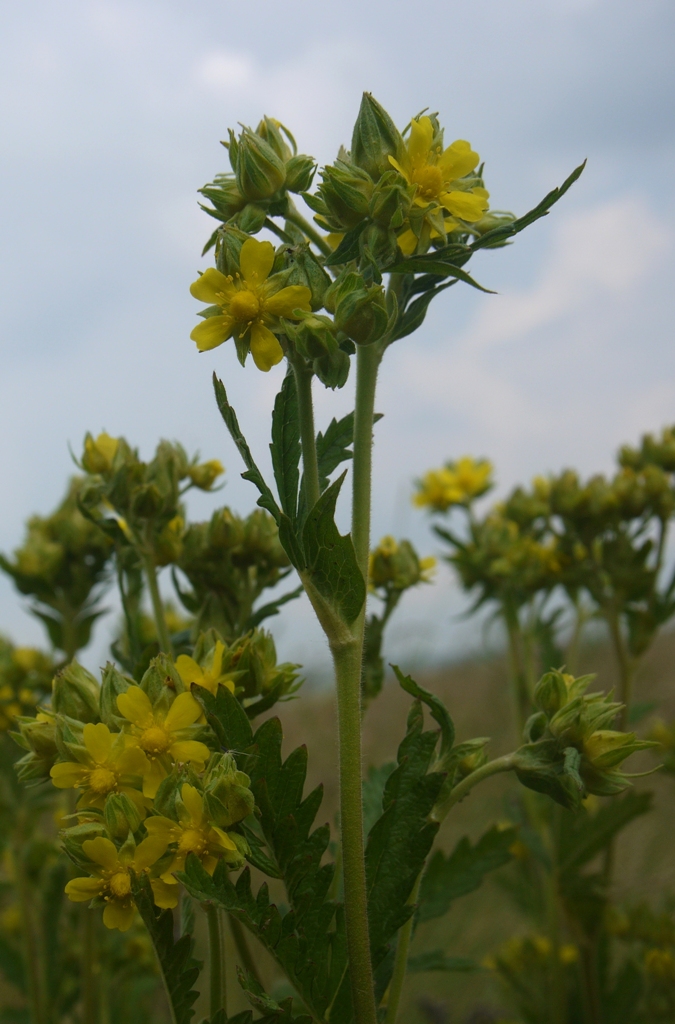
x=607, y=748
x=303, y=268
x=227, y=795
x=236, y=860
x=228, y=248
x=252, y=218
x=345, y=192
x=375, y=138
x=75, y=693
x=39, y=735
x=112, y=684
x=72, y=839
x=260, y=171
x=300, y=173
x=379, y=244
x=391, y=201
x=121, y=816
x=278, y=137
x=225, y=197
x=550, y=693
x=362, y=315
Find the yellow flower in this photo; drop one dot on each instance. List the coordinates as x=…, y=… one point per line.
x=113, y=881
x=107, y=765
x=160, y=734
x=250, y=304
x=209, y=675
x=454, y=484
x=99, y=453
x=435, y=172
x=192, y=833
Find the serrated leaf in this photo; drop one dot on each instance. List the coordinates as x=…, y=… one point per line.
x=449, y=877
x=436, y=706
x=373, y=792
x=330, y=557
x=437, y=960
x=285, y=446
x=179, y=969
x=400, y=840
x=226, y=716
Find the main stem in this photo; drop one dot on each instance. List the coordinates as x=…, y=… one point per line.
x=157, y=606
x=216, y=965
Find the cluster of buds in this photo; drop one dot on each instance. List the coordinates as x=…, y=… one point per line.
x=62, y=564
x=229, y=561
x=570, y=751
x=455, y=483
x=139, y=503
x=25, y=680
x=151, y=786
x=266, y=166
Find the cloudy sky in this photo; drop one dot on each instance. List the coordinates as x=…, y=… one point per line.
x=110, y=119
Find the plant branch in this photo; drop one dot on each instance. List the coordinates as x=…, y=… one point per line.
x=157, y=606
x=506, y=763
x=295, y=217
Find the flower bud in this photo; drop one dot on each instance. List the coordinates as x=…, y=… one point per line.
x=303, y=268
x=550, y=693
x=225, y=196
x=228, y=248
x=391, y=201
x=361, y=313
x=345, y=192
x=227, y=795
x=169, y=544
x=278, y=137
x=113, y=683
x=375, y=138
x=314, y=338
x=260, y=171
x=73, y=838
x=236, y=860
x=252, y=218
x=607, y=748
x=75, y=693
x=205, y=474
x=378, y=243
x=300, y=171
x=121, y=816
x=99, y=454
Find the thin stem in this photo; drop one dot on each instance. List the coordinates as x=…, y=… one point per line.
x=506, y=763
x=33, y=953
x=89, y=958
x=558, y=995
x=626, y=666
x=157, y=606
x=590, y=994
x=241, y=943
x=401, y=961
x=518, y=680
x=216, y=967
x=347, y=660
x=303, y=384
x=368, y=360
x=295, y=217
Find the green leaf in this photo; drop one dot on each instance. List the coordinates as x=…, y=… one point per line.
x=414, y=315
x=334, y=447
x=499, y=235
x=285, y=446
x=436, y=706
x=330, y=558
x=373, y=792
x=273, y=1012
x=437, y=960
x=400, y=840
x=584, y=836
x=432, y=264
x=348, y=249
x=226, y=716
x=179, y=969
x=448, y=877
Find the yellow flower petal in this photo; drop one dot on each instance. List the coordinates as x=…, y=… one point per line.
x=102, y=852
x=217, y=662
x=464, y=205
x=80, y=890
x=212, y=332
x=154, y=777
x=407, y=242
x=265, y=348
x=164, y=895
x=68, y=774
x=295, y=296
x=98, y=740
x=401, y=170
x=183, y=712
x=149, y=851
x=419, y=143
x=190, y=750
x=189, y=670
x=118, y=915
x=256, y=260
x=132, y=761
x=135, y=705
x=194, y=803
x=162, y=829
x=212, y=287
x=457, y=160
x=223, y=839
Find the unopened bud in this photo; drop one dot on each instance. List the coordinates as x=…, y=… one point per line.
x=121, y=816
x=550, y=693
x=375, y=138
x=99, y=453
x=260, y=171
x=75, y=693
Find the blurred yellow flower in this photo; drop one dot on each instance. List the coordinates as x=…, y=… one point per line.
x=159, y=734
x=456, y=483
x=250, y=304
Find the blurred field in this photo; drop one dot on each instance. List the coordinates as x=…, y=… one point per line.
x=476, y=694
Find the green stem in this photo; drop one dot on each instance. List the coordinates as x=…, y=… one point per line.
x=558, y=995
x=347, y=660
x=626, y=667
x=506, y=763
x=319, y=241
x=157, y=606
x=590, y=994
x=368, y=360
x=310, y=466
x=241, y=943
x=518, y=678
x=401, y=961
x=89, y=957
x=216, y=965
x=33, y=954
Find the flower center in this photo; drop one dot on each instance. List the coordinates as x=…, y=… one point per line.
x=120, y=884
x=429, y=181
x=155, y=740
x=192, y=841
x=102, y=780
x=244, y=306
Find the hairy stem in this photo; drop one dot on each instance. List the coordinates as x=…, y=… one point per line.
x=401, y=961
x=241, y=943
x=347, y=660
x=157, y=606
x=310, y=467
x=217, y=993
x=319, y=241
x=368, y=360
x=506, y=763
